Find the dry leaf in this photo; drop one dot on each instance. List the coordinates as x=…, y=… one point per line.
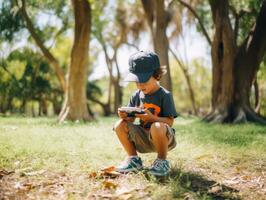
x=237, y=169
x=108, y=169
x=5, y=172
x=110, y=172
x=247, y=178
x=109, y=185
x=92, y=174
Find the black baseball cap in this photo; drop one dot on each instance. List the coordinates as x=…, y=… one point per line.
x=142, y=65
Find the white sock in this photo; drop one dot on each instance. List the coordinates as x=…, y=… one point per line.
x=135, y=156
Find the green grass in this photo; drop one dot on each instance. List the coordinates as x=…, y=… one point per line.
x=206, y=154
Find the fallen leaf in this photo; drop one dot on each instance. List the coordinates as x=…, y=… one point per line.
x=237, y=169
x=109, y=172
x=247, y=178
x=92, y=174
x=108, y=169
x=109, y=185
x=4, y=172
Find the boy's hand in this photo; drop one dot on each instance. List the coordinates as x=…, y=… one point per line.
x=147, y=117
x=123, y=115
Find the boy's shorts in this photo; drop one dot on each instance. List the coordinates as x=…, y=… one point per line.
x=142, y=138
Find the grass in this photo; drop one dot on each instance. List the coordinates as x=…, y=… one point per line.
x=210, y=161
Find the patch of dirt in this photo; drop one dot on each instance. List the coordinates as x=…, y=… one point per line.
x=78, y=185
x=248, y=184
x=43, y=184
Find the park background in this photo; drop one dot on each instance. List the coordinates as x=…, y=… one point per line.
x=62, y=65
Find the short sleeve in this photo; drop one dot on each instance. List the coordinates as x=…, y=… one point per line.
x=168, y=106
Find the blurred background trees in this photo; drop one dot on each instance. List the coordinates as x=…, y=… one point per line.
x=71, y=56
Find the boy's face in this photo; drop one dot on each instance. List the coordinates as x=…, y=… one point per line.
x=148, y=87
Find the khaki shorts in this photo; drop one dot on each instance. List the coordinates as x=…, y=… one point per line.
x=143, y=141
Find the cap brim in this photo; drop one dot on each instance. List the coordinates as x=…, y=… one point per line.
x=138, y=77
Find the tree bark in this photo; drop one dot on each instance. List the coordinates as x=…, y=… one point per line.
x=158, y=21
x=75, y=107
x=257, y=96
x=118, y=89
x=234, y=71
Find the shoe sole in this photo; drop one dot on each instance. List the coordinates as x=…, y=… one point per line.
x=130, y=170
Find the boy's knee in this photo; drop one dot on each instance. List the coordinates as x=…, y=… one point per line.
x=158, y=129
x=120, y=125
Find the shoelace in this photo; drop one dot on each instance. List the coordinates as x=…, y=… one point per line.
x=158, y=164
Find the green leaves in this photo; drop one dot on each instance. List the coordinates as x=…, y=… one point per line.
x=10, y=21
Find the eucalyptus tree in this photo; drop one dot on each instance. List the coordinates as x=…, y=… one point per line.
x=27, y=15
x=75, y=104
x=26, y=80
x=158, y=19
x=112, y=30
x=237, y=49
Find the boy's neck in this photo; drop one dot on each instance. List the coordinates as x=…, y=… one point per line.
x=155, y=89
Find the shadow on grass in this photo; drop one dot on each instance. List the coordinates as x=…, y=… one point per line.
x=191, y=185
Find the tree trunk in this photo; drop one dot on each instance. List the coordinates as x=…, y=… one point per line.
x=105, y=106
x=158, y=20
x=234, y=71
x=75, y=106
x=257, y=96
x=118, y=89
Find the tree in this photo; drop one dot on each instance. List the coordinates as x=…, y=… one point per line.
x=111, y=36
x=237, y=52
x=158, y=19
x=174, y=14
x=75, y=105
x=49, y=56
x=27, y=81
x=235, y=68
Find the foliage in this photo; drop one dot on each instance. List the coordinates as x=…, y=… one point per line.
x=30, y=81
x=10, y=21
x=200, y=79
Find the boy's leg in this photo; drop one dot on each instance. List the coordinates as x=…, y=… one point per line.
x=121, y=130
x=160, y=166
x=159, y=138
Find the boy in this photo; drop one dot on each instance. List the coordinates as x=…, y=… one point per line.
x=154, y=133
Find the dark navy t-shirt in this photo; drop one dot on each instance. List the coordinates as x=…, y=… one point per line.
x=160, y=103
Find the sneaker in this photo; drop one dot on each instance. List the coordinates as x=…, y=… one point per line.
x=160, y=168
x=131, y=164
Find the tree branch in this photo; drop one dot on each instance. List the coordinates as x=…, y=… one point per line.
x=132, y=45
x=3, y=65
x=205, y=33
x=256, y=41
x=238, y=16
x=59, y=72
